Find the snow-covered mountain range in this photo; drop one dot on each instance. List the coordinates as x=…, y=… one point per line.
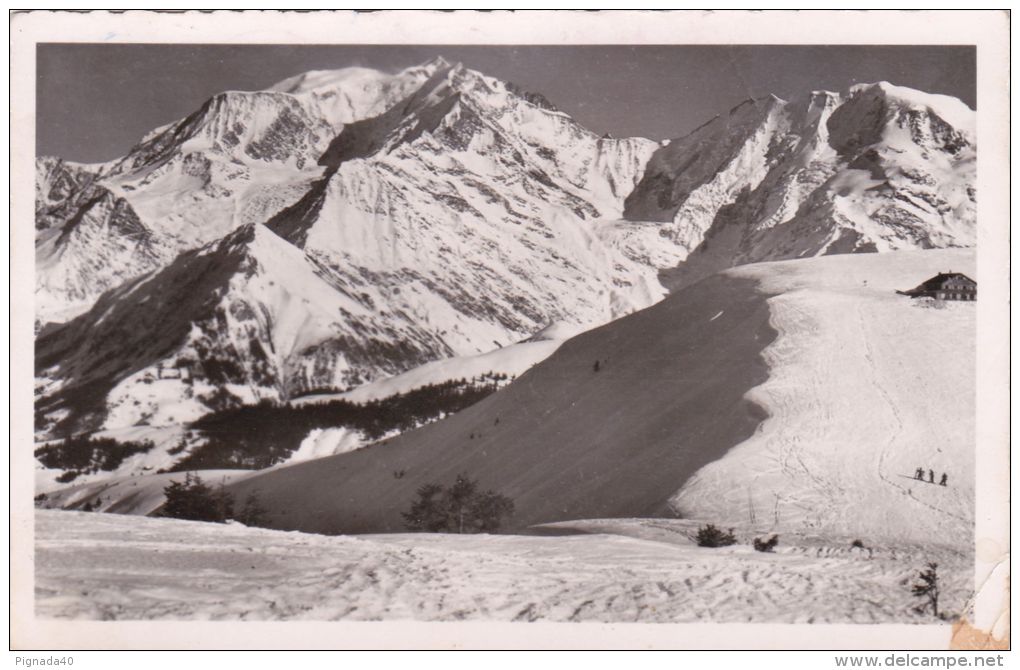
x=238, y=159
x=346, y=226
x=878, y=168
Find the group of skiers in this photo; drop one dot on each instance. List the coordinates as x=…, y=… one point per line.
x=919, y=475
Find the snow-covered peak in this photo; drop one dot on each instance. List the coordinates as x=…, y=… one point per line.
x=357, y=78
x=891, y=103
x=430, y=66
x=739, y=138
x=293, y=120
x=901, y=118
x=810, y=113
x=876, y=168
x=822, y=94
x=952, y=110
x=435, y=64
x=316, y=80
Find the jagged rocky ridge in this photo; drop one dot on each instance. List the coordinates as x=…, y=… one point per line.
x=346, y=226
x=878, y=168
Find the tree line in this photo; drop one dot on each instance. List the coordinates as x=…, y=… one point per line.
x=194, y=500
x=262, y=435
x=85, y=455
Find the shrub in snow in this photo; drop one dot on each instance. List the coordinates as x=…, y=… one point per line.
x=765, y=545
x=928, y=590
x=460, y=508
x=710, y=536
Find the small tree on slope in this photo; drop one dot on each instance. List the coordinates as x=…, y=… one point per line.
x=710, y=536
x=460, y=508
x=488, y=509
x=928, y=589
x=252, y=513
x=459, y=498
x=193, y=500
x=427, y=513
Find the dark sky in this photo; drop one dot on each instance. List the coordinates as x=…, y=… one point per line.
x=95, y=101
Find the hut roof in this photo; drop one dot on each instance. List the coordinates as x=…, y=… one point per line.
x=937, y=281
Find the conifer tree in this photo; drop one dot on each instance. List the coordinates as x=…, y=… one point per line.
x=427, y=513
x=710, y=536
x=252, y=512
x=460, y=508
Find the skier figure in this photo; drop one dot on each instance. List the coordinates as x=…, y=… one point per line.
x=919, y=474
x=942, y=482
x=931, y=476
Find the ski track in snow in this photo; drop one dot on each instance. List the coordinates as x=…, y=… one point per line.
x=111, y=567
x=864, y=387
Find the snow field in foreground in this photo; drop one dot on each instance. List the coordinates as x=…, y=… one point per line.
x=112, y=567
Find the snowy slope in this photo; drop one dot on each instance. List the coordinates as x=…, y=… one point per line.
x=248, y=317
x=864, y=387
x=84, y=230
x=795, y=396
x=666, y=399
x=877, y=168
x=166, y=440
x=136, y=495
x=511, y=361
x=108, y=567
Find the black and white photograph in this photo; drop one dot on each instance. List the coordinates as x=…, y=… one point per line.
x=499, y=331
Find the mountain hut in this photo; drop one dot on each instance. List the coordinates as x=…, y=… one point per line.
x=946, y=286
